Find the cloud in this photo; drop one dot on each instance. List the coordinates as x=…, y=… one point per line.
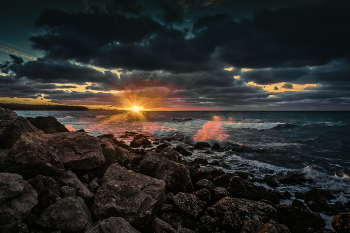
x=287, y=86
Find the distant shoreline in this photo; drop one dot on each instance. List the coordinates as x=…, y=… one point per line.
x=42, y=107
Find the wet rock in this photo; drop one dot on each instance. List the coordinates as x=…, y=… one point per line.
x=222, y=181
x=17, y=198
x=204, y=195
x=93, y=185
x=255, y=226
x=17, y=227
x=286, y=195
x=240, y=188
x=48, y=124
x=47, y=188
x=67, y=191
x=270, y=181
x=184, y=230
x=68, y=214
x=182, y=151
x=299, y=204
x=171, y=154
x=76, y=150
x=113, y=225
x=216, y=173
x=71, y=180
x=244, y=175
x=204, y=183
x=219, y=193
x=207, y=224
x=201, y=145
x=232, y=213
x=200, y=161
x=159, y=226
x=160, y=147
x=13, y=132
x=31, y=156
x=189, y=205
x=338, y=208
x=299, y=220
x=140, y=140
x=3, y=156
x=267, y=194
x=292, y=179
x=299, y=195
x=133, y=196
x=317, y=199
x=7, y=117
x=341, y=223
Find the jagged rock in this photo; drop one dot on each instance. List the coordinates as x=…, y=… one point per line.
x=200, y=161
x=216, y=173
x=140, y=140
x=341, y=223
x=267, y=194
x=255, y=226
x=204, y=195
x=270, y=181
x=182, y=151
x=71, y=180
x=173, y=219
x=286, y=195
x=207, y=224
x=161, y=147
x=93, y=185
x=159, y=226
x=204, y=183
x=67, y=191
x=219, y=193
x=184, y=230
x=48, y=190
x=171, y=154
x=175, y=175
x=76, y=150
x=189, y=205
x=17, y=227
x=113, y=225
x=201, y=145
x=17, y=198
x=48, y=124
x=292, y=179
x=232, y=213
x=13, y=132
x=108, y=151
x=125, y=193
x=68, y=214
x=222, y=181
x=31, y=156
x=3, y=156
x=7, y=117
x=299, y=220
x=299, y=204
x=316, y=199
x=299, y=195
x=240, y=188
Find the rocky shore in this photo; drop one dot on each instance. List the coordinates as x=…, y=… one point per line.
x=53, y=180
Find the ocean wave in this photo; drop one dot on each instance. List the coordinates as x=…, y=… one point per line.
x=252, y=125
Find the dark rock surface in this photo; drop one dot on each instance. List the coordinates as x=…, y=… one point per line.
x=13, y=132
x=3, y=156
x=133, y=196
x=201, y=145
x=240, y=188
x=189, y=205
x=255, y=226
x=140, y=140
x=341, y=223
x=48, y=190
x=113, y=225
x=17, y=198
x=182, y=151
x=159, y=226
x=67, y=191
x=232, y=213
x=7, y=117
x=207, y=224
x=68, y=214
x=48, y=124
x=204, y=183
x=299, y=220
x=17, y=227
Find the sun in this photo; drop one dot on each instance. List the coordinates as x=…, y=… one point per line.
x=136, y=108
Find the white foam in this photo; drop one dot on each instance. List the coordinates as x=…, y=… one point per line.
x=251, y=125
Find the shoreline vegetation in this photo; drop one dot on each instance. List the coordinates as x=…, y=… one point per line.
x=13, y=106
x=53, y=180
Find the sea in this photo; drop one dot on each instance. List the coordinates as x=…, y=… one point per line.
x=316, y=144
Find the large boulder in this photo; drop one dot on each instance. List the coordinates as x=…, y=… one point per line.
x=232, y=213
x=242, y=189
x=114, y=153
x=48, y=124
x=3, y=156
x=68, y=214
x=171, y=154
x=17, y=227
x=113, y=225
x=48, y=190
x=254, y=226
x=140, y=140
x=17, y=198
x=31, y=156
x=188, y=205
x=71, y=180
x=7, y=117
x=341, y=223
x=76, y=150
x=159, y=226
x=299, y=220
x=20, y=126
x=201, y=145
x=176, y=175
x=130, y=195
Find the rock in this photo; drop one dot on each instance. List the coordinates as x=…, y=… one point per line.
x=240, y=188
x=160, y=147
x=48, y=124
x=175, y=175
x=267, y=194
x=286, y=195
x=216, y=173
x=67, y=191
x=219, y=193
x=244, y=175
x=76, y=150
x=71, y=180
x=232, y=213
x=204, y=183
x=108, y=151
x=255, y=226
x=341, y=223
x=171, y=154
x=159, y=226
x=173, y=219
x=182, y=151
x=189, y=205
x=299, y=220
x=338, y=208
x=17, y=198
x=184, y=230
x=201, y=145
x=299, y=204
x=317, y=199
x=13, y=132
x=204, y=195
x=68, y=214
x=200, y=161
x=207, y=224
x=270, y=181
x=299, y=195
x=93, y=185
x=133, y=196
x=140, y=140
x=222, y=181
x=292, y=179
x=7, y=117
x=3, y=156
x=47, y=188
x=17, y=227
x=113, y=225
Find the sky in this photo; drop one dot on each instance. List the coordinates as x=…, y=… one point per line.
x=205, y=55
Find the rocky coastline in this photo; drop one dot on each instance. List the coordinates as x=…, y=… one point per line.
x=53, y=180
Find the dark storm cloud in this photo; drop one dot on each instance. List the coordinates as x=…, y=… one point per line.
x=287, y=86
x=171, y=14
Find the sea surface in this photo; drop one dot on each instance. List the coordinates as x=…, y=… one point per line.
x=316, y=144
